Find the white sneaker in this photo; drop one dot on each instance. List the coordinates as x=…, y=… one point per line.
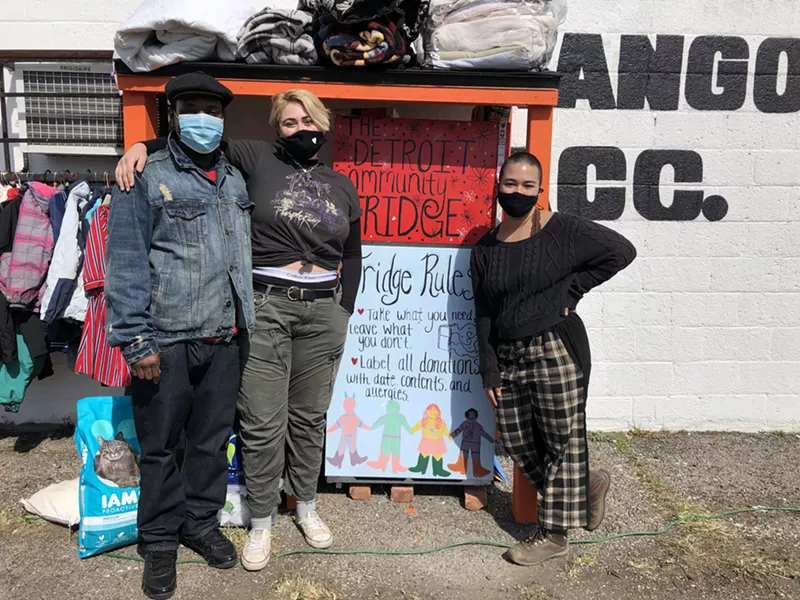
x=315, y=531
x=255, y=555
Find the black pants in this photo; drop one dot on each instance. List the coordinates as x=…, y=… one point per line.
x=196, y=396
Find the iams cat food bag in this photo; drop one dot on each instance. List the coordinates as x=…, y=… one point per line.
x=109, y=484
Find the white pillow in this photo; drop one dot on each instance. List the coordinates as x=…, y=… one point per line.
x=57, y=503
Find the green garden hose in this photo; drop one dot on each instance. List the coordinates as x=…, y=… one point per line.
x=609, y=538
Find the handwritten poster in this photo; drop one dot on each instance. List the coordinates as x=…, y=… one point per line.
x=408, y=400
x=420, y=181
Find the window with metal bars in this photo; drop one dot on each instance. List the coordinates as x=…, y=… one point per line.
x=73, y=116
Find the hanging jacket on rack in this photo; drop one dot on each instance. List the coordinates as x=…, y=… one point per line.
x=16, y=376
x=96, y=358
x=11, y=193
x=58, y=206
x=23, y=346
x=98, y=193
x=23, y=270
x=64, y=296
x=9, y=217
x=14, y=322
x=8, y=337
x=31, y=357
x=23, y=353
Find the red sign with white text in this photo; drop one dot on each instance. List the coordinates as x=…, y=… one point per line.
x=420, y=182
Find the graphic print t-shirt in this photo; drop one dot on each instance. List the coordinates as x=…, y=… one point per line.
x=301, y=213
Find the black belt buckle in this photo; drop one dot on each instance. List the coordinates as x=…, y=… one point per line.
x=296, y=294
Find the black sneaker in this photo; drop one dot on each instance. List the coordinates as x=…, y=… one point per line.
x=218, y=550
x=160, y=577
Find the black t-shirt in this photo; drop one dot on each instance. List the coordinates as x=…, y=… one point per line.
x=302, y=212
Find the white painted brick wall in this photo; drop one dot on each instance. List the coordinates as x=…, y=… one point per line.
x=688, y=344
x=785, y=343
x=703, y=331
x=737, y=343
x=712, y=339
x=57, y=25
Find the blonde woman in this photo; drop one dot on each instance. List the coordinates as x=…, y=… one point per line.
x=306, y=243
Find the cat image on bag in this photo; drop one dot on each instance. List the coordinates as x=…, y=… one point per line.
x=117, y=461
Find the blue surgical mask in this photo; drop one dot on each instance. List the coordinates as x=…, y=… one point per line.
x=201, y=132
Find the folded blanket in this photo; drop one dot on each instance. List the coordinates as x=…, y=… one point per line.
x=165, y=32
x=447, y=55
x=443, y=11
x=377, y=42
x=277, y=36
x=534, y=33
x=501, y=60
x=476, y=26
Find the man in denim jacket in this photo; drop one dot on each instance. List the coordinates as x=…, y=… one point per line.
x=179, y=288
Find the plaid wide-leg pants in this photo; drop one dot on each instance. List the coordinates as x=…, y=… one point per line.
x=541, y=418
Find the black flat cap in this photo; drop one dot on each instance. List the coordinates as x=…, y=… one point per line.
x=197, y=83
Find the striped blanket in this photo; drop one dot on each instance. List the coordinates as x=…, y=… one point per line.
x=278, y=37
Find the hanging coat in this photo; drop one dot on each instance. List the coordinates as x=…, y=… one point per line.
x=16, y=376
x=23, y=270
x=64, y=295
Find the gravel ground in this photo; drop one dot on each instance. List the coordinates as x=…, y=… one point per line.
x=655, y=477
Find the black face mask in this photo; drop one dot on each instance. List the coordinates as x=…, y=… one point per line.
x=516, y=204
x=303, y=145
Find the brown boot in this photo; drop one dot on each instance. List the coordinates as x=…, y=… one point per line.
x=538, y=548
x=460, y=466
x=599, y=482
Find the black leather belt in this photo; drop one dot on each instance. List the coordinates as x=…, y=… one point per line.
x=293, y=292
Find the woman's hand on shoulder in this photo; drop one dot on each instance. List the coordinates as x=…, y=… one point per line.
x=134, y=159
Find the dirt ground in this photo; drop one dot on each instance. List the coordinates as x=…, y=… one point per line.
x=656, y=478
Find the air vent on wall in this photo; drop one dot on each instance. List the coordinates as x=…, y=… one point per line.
x=74, y=104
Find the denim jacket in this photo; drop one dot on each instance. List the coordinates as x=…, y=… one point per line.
x=178, y=250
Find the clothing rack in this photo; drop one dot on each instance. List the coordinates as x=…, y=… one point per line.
x=58, y=177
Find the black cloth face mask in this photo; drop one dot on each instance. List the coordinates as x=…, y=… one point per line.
x=303, y=145
x=516, y=204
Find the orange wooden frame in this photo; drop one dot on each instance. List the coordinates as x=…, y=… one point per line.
x=140, y=118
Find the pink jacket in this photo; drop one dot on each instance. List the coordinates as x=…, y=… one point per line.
x=23, y=270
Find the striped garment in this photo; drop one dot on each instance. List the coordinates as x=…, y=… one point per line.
x=96, y=358
x=23, y=270
x=541, y=418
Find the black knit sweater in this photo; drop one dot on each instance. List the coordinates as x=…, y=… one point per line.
x=522, y=288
